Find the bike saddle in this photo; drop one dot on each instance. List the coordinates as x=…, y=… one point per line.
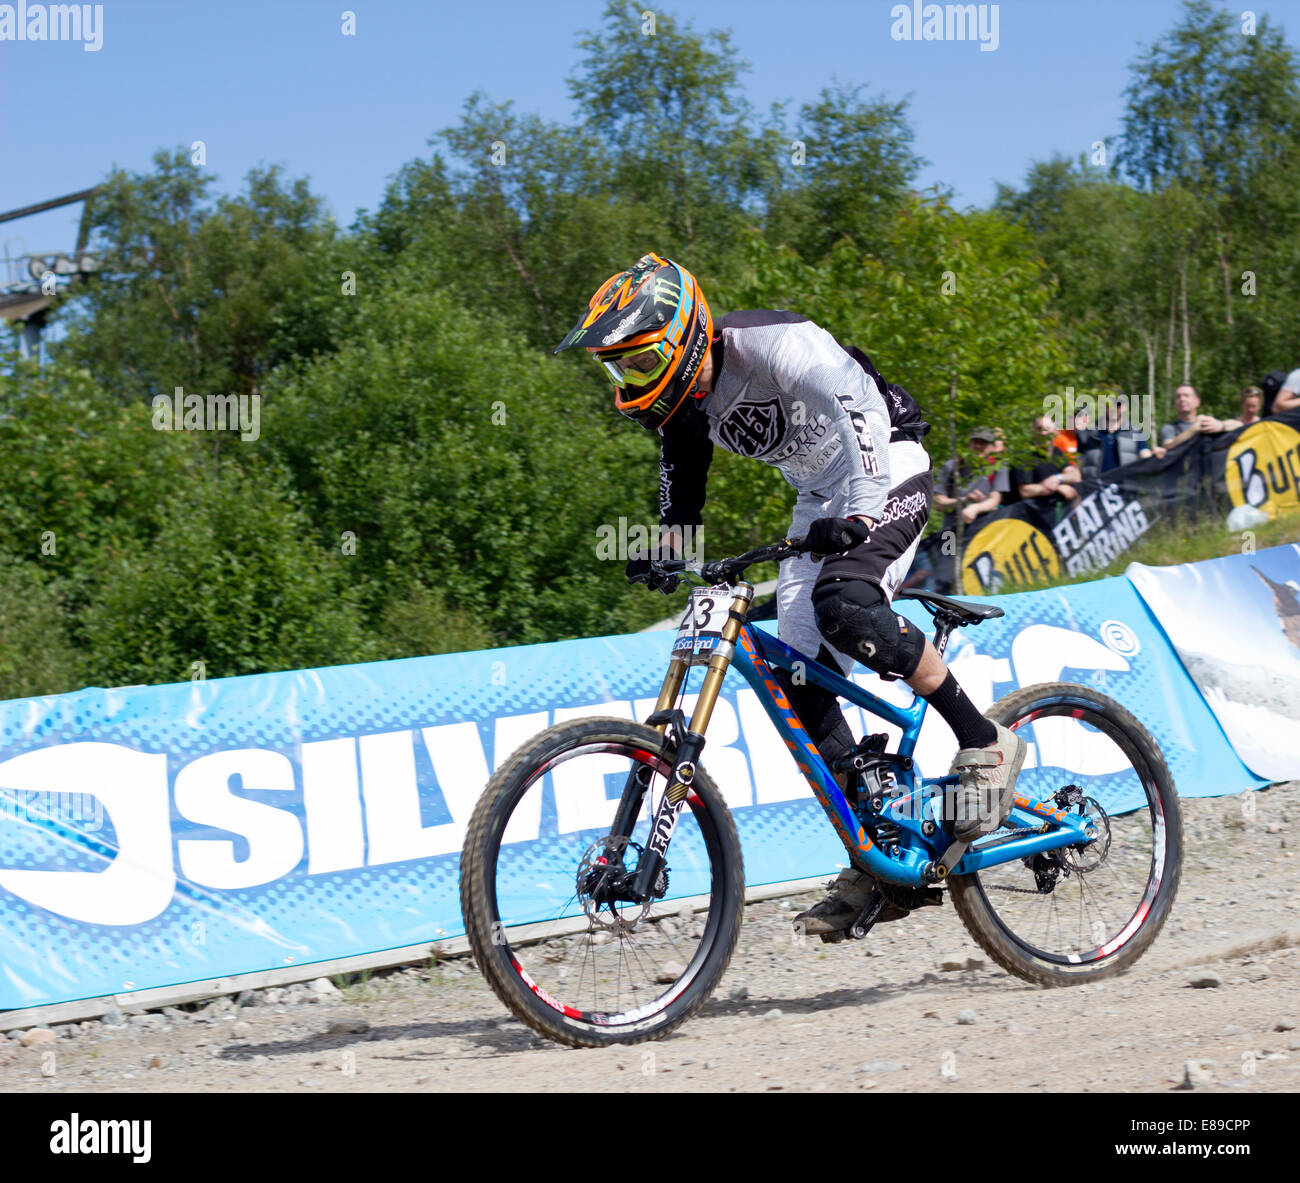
x=962, y=611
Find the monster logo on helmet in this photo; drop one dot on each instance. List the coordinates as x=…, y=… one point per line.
x=654, y=328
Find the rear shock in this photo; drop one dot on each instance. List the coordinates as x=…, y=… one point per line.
x=876, y=783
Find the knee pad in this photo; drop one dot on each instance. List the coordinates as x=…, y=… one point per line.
x=855, y=617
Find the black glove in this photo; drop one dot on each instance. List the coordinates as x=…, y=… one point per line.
x=833, y=536
x=639, y=571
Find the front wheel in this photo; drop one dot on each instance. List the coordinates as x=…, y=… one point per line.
x=1082, y=912
x=582, y=963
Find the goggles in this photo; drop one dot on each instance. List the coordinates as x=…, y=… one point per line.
x=641, y=367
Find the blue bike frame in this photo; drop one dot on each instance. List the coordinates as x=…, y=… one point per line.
x=920, y=798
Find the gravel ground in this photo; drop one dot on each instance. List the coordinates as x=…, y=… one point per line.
x=1213, y=1005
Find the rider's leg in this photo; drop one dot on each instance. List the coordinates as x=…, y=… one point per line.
x=851, y=601
x=856, y=618
x=934, y=681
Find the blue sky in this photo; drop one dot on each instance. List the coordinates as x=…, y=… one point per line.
x=275, y=81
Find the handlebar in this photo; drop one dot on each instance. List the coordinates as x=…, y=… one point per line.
x=666, y=574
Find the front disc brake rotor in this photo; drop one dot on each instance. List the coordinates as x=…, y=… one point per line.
x=600, y=881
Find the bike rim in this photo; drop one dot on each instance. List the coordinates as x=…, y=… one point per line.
x=610, y=983
x=1089, y=916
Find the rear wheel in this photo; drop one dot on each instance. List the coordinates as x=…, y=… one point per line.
x=567, y=954
x=1082, y=912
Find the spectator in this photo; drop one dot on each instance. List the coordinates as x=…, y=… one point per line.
x=1113, y=445
x=975, y=490
x=1190, y=423
x=1066, y=441
x=1271, y=384
x=1288, y=398
x=1049, y=478
x=1252, y=406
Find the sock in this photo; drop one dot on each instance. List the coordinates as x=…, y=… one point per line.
x=971, y=728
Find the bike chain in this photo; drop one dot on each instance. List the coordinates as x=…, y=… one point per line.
x=1007, y=887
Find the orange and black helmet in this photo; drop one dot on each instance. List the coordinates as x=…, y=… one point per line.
x=650, y=328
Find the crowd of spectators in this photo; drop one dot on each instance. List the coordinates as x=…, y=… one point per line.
x=1045, y=481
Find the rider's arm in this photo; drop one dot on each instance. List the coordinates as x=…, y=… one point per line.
x=812, y=369
x=685, y=453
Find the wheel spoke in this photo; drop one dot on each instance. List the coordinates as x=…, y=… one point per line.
x=1095, y=888
x=605, y=970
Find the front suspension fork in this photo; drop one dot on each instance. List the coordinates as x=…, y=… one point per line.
x=690, y=745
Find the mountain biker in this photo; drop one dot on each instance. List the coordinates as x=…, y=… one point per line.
x=774, y=386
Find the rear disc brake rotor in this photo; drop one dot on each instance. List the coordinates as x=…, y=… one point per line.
x=1092, y=854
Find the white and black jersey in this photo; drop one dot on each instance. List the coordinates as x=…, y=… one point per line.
x=788, y=394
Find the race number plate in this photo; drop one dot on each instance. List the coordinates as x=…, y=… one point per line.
x=701, y=626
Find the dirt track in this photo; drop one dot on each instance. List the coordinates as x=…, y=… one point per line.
x=878, y=1014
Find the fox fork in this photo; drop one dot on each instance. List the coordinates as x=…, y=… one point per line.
x=689, y=744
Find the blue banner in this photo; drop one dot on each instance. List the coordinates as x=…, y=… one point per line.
x=158, y=835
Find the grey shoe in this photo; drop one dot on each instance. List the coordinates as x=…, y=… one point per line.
x=848, y=896
x=988, y=782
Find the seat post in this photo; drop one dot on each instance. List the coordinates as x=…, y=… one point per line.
x=943, y=626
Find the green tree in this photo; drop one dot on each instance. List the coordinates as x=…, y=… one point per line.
x=668, y=106
x=534, y=223
x=233, y=581
x=205, y=293
x=36, y=654
x=855, y=164
x=448, y=457
x=82, y=475
x=1215, y=114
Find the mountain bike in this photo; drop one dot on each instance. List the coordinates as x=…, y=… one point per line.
x=601, y=878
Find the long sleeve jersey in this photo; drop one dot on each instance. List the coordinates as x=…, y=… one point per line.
x=789, y=394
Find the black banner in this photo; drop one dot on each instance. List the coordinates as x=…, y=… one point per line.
x=1209, y=477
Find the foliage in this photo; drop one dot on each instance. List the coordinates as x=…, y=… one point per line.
x=461, y=461
x=429, y=478
x=209, y=295
x=231, y=581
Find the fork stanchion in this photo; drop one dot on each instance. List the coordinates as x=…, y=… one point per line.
x=671, y=687
x=690, y=745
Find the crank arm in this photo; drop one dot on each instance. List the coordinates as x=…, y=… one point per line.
x=867, y=917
